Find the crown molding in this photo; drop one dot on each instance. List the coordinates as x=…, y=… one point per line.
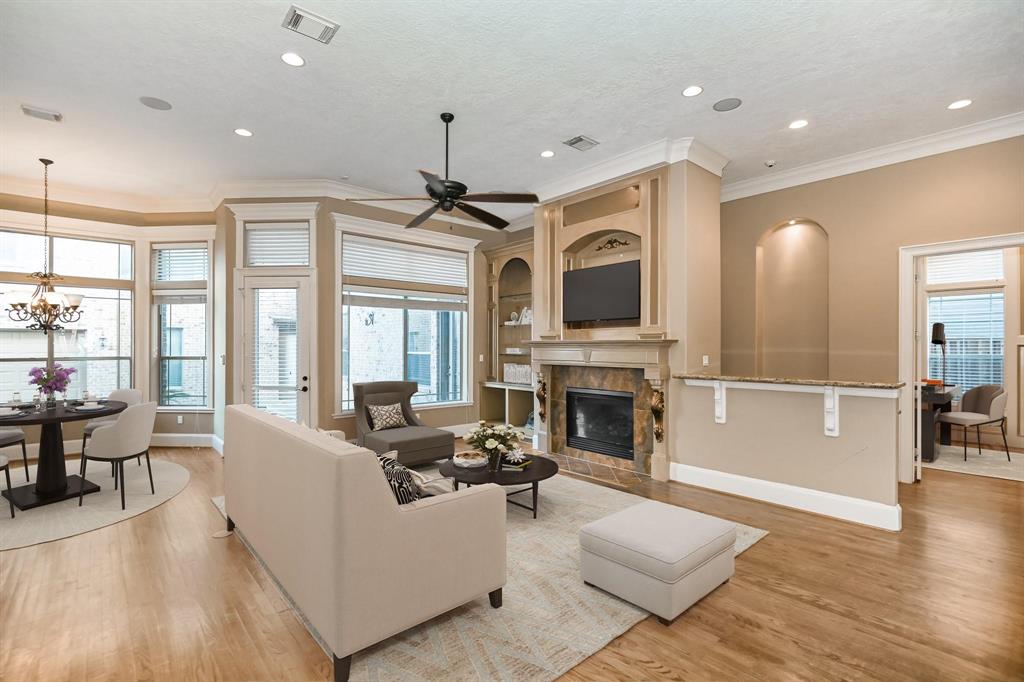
x=115, y=201
x=520, y=223
x=78, y=227
x=983, y=132
x=264, y=189
x=650, y=156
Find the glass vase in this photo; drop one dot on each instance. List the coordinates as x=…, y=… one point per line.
x=494, y=460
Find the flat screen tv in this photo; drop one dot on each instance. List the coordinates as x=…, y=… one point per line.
x=605, y=292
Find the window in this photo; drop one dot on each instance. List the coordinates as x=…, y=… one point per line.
x=182, y=322
x=404, y=317
x=974, y=338
x=973, y=316
x=276, y=244
x=99, y=345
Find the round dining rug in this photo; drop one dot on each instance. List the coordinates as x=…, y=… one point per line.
x=64, y=519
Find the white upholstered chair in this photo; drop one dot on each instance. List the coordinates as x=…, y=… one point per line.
x=980, y=405
x=126, y=437
x=128, y=396
x=7, y=473
x=10, y=437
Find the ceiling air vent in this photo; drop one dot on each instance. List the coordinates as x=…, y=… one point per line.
x=310, y=24
x=39, y=112
x=581, y=142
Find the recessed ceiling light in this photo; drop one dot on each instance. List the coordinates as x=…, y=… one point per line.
x=243, y=132
x=547, y=154
x=292, y=59
x=692, y=91
x=797, y=124
x=960, y=104
x=156, y=103
x=727, y=104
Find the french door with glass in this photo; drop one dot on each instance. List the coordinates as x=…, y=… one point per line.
x=276, y=346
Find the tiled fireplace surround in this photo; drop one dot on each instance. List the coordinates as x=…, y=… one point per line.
x=608, y=379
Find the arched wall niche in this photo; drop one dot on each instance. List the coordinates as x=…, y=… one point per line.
x=791, y=301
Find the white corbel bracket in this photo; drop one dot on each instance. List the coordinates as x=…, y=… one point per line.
x=719, y=402
x=831, y=395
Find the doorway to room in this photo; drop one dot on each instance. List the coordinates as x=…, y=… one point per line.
x=961, y=355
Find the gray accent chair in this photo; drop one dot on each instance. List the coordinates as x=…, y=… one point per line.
x=416, y=443
x=10, y=437
x=980, y=405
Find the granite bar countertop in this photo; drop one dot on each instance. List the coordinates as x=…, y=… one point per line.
x=794, y=382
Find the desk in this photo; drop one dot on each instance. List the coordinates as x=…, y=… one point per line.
x=935, y=399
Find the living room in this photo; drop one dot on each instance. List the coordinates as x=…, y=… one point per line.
x=624, y=369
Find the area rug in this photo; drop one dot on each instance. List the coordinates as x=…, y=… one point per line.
x=990, y=463
x=64, y=519
x=550, y=620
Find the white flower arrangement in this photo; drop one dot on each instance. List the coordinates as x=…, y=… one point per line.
x=495, y=441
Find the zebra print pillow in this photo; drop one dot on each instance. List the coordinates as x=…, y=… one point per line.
x=400, y=479
x=386, y=416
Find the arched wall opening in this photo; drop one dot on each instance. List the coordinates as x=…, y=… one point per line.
x=791, y=301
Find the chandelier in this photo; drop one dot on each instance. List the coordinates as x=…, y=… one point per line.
x=46, y=308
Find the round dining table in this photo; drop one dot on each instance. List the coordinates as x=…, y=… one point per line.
x=52, y=481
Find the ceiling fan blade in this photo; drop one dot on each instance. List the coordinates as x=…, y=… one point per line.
x=422, y=217
x=392, y=199
x=482, y=215
x=502, y=198
x=435, y=182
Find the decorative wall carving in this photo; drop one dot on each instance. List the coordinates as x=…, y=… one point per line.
x=542, y=398
x=658, y=410
x=612, y=243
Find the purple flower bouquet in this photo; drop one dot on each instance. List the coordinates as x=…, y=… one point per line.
x=51, y=380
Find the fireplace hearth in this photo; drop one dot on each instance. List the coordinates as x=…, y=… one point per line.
x=600, y=421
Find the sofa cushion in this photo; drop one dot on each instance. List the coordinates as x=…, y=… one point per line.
x=408, y=438
x=660, y=540
x=400, y=479
x=386, y=416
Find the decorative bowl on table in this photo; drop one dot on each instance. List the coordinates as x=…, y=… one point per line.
x=469, y=460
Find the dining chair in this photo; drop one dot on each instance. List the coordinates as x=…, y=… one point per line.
x=128, y=396
x=10, y=437
x=979, y=406
x=7, y=474
x=126, y=437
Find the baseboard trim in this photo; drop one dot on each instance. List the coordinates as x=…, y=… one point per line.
x=217, y=443
x=182, y=440
x=866, y=512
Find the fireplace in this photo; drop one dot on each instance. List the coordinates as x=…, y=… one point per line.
x=600, y=421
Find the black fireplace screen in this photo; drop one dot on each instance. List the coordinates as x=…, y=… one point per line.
x=600, y=421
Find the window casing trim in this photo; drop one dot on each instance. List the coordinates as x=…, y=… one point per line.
x=343, y=224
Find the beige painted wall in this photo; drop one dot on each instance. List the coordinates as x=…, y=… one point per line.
x=779, y=436
x=971, y=192
x=792, y=303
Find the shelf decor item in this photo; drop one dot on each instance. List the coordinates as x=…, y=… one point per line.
x=51, y=380
x=495, y=441
x=515, y=317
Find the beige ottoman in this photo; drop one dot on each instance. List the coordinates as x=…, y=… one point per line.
x=658, y=556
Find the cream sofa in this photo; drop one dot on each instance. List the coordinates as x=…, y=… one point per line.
x=361, y=568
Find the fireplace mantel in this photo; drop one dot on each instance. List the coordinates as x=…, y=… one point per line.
x=650, y=355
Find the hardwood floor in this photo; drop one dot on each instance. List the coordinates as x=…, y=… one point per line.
x=156, y=598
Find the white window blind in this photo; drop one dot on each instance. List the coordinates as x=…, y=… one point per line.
x=402, y=262
x=276, y=244
x=180, y=263
x=973, y=266
x=974, y=338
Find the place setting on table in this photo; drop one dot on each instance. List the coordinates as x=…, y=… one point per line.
x=49, y=410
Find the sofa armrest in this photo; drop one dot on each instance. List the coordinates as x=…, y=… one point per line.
x=434, y=555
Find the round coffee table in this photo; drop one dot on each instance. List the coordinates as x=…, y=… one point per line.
x=539, y=469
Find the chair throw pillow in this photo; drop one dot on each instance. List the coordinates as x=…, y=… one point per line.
x=400, y=479
x=386, y=416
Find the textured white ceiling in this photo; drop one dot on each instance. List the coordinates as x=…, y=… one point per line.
x=519, y=76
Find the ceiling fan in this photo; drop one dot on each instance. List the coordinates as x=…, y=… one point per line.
x=450, y=194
